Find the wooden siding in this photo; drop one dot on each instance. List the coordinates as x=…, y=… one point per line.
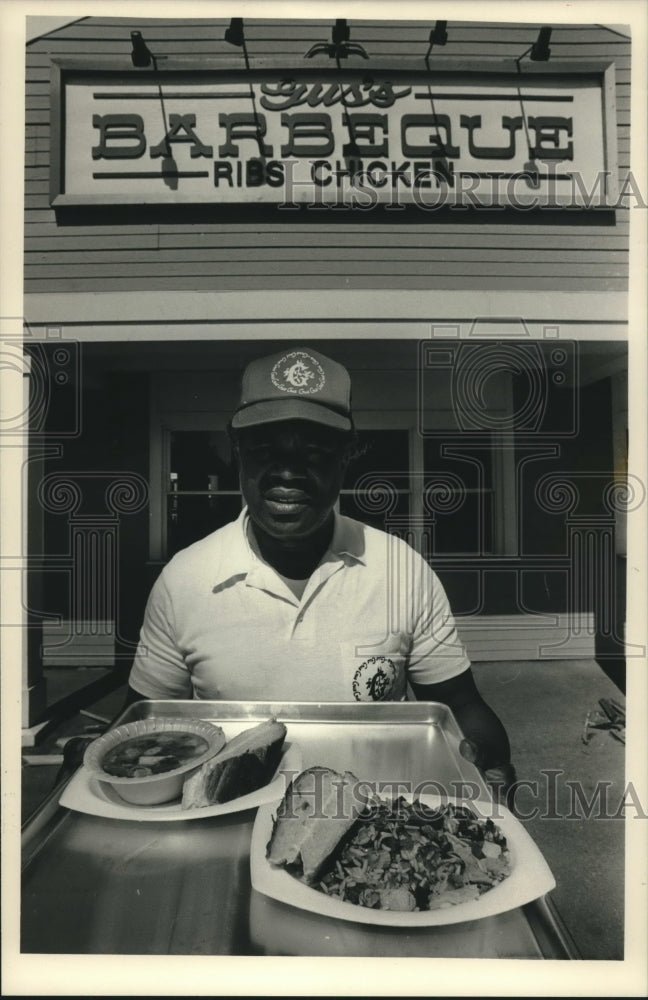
x=527, y=637
x=542, y=250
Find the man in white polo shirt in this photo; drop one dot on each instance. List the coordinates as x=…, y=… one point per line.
x=293, y=601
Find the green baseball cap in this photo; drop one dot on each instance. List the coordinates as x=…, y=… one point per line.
x=295, y=384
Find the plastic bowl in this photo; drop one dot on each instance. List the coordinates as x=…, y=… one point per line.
x=154, y=788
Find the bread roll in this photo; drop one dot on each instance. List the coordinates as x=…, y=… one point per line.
x=320, y=806
x=245, y=764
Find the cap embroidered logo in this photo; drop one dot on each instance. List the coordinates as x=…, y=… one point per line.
x=298, y=372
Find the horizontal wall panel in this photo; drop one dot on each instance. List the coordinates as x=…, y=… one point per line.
x=341, y=254
x=37, y=173
x=40, y=237
x=474, y=243
x=37, y=187
x=347, y=282
x=37, y=139
x=38, y=117
x=108, y=249
x=376, y=245
x=40, y=219
x=35, y=157
x=37, y=72
x=346, y=255
x=143, y=240
x=523, y=637
x=37, y=102
x=344, y=268
x=38, y=133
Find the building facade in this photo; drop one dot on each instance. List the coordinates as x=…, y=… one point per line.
x=441, y=207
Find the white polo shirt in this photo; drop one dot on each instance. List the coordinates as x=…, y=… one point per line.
x=221, y=623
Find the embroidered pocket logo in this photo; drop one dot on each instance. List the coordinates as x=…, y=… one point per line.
x=375, y=679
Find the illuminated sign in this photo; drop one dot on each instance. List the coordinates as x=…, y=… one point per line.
x=314, y=138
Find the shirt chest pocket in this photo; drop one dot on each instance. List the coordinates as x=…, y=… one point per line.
x=374, y=669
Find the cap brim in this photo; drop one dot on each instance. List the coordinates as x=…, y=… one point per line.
x=271, y=411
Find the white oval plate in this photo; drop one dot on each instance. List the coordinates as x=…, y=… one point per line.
x=85, y=794
x=530, y=877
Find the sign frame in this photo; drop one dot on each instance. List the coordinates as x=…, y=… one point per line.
x=121, y=71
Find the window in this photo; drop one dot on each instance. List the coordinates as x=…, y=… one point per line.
x=458, y=483
x=202, y=491
x=377, y=482
x=394, y=476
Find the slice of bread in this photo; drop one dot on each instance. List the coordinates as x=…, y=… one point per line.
x=245, y=764
x=320, y=806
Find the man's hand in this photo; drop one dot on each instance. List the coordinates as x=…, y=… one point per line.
x=486, y=744
x=499, y=778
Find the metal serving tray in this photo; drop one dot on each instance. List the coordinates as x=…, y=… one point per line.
x=98, y=886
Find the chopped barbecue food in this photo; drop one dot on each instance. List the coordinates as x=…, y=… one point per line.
x=247, y=762
x=385, y=855
x=406, y=857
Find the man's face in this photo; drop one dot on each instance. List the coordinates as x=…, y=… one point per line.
x=291, y=475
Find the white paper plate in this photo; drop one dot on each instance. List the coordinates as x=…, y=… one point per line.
x=85, y=794
x=530, y=877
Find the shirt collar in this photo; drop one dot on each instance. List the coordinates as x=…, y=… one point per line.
x=239, y=558
x=348, y=538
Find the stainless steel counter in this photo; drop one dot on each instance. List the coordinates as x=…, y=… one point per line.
x=98, y=886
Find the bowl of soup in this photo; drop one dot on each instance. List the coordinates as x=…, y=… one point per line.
x=146, y=762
